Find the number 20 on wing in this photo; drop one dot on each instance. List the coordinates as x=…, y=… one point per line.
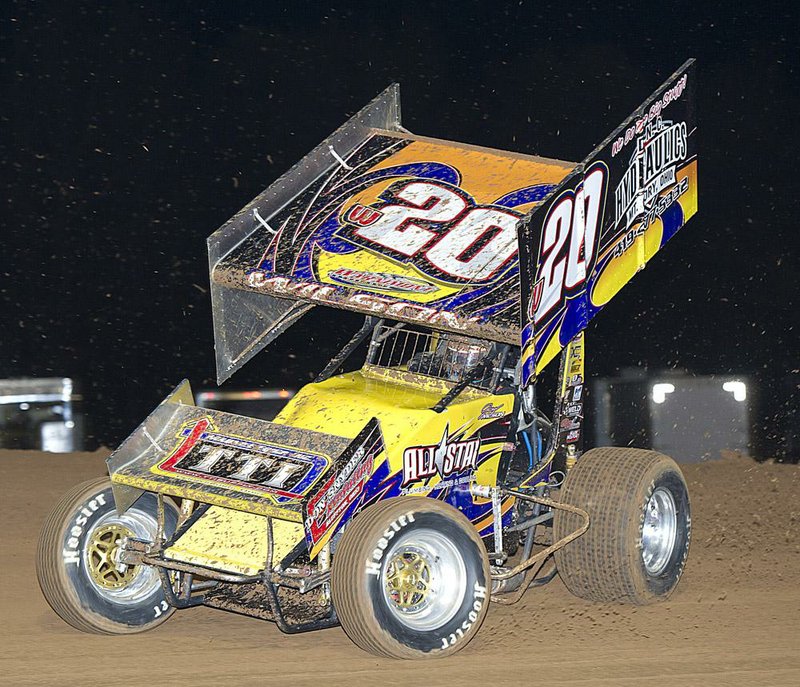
x=568, y=244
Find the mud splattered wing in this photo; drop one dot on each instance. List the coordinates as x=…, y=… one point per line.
x=607, y=219
x=383, y=222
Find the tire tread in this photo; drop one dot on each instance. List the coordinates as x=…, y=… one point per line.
x=608, y=483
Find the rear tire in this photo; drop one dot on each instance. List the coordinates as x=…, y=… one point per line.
x=410, y=579
x=640, y=523
x=76, y=561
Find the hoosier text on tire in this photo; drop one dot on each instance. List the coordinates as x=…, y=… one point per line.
x=410, y=579
x=78, y=568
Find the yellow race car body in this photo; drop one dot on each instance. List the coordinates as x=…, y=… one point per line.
x=473, y=268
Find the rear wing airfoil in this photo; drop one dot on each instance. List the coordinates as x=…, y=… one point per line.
x=486, y=243
x=383, y=222
x=607, y=219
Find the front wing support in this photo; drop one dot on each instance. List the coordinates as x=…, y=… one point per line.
x=138, y=552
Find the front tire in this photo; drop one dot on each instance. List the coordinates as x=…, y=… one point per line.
x=77, y=567
x=640, y=525
x=411, y=579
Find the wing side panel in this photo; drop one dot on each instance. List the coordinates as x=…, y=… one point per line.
x=607, y=219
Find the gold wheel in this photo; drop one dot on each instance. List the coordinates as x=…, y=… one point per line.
x=102, y=556
x=408, y=579
x=77, y=561
x=424, y=589
x=424, y=580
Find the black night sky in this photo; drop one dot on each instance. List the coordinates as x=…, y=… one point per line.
x=131, y=131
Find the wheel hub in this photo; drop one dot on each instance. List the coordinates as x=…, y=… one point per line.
x=424, y=580
x=103, y=557
x=659, y=532
x=408, y=578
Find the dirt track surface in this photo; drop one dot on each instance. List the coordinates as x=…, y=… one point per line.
x=734, y=620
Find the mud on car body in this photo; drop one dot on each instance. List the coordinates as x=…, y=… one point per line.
x=417, y=479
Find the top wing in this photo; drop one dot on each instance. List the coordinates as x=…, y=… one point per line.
x=456, y=237
x=607, y=219
x=417, y=229
x=380, y=222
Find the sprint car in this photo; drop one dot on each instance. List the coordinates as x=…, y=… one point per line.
x=417, y=479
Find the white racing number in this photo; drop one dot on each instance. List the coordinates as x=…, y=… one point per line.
x=569, y=241
x=441, y=230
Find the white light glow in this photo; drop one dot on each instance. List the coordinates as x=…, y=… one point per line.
x=738, y=389
x=661, y=390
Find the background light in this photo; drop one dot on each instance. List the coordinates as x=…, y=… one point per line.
x=661, y=390
x=738, y=389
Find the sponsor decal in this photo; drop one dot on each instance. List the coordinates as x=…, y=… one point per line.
x=325, y=509
x=650, y=214
x=576, y=362
x=239, y=461
x=570, y=404
x=443, y=484
x=491, y=411
x=362, y=216
x=569, y=423
x=655, y=111
x=71, y=551
x=373, y=565
x=364, y=302
x=448, y=457
x=651, y=170
x=381, y=281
